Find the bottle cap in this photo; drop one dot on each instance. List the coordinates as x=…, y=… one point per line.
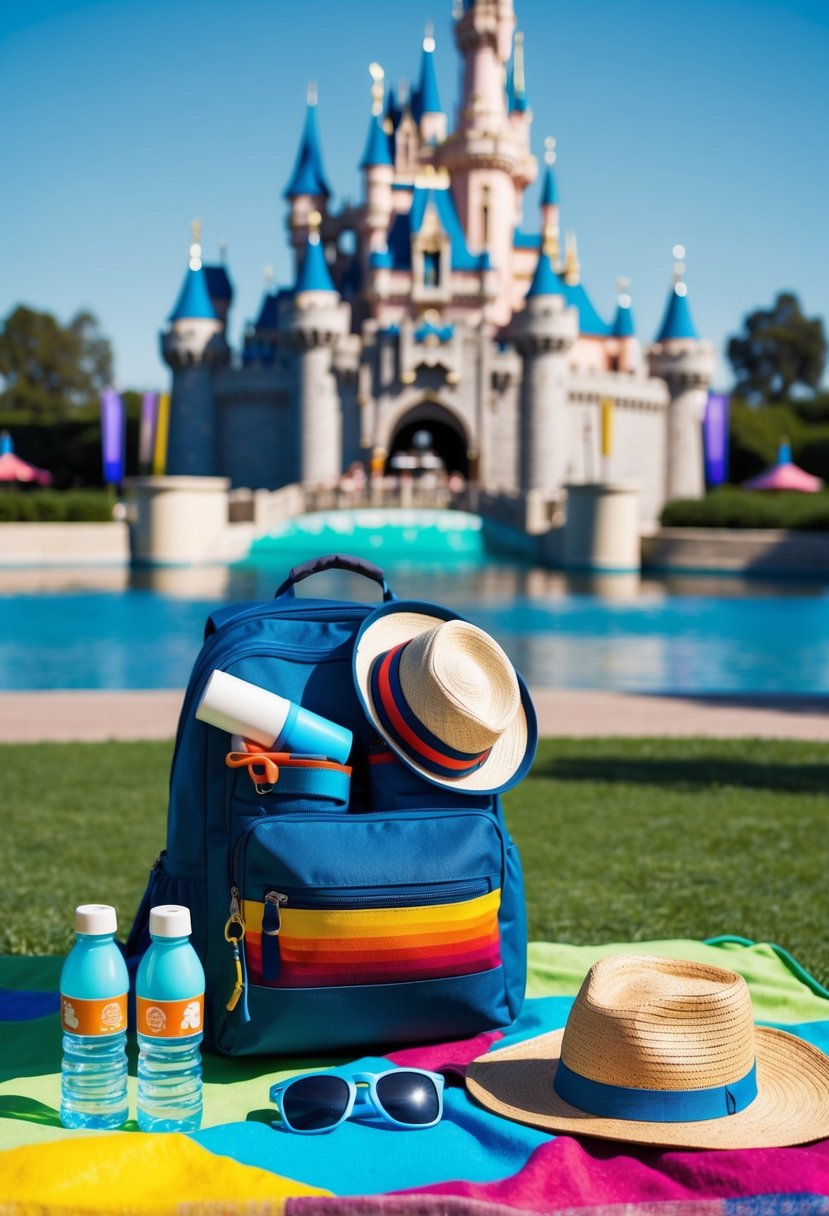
x=95, y=919
x=170, y=920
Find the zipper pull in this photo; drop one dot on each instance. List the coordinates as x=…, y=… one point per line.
x=272, y=914
x=271, y=926
x=234, y=934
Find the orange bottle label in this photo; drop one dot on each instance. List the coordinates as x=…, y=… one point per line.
x=108, y=1016
x=170, y=1019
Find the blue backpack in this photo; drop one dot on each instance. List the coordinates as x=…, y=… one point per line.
x=332, y=906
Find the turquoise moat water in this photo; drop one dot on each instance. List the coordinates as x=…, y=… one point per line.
x=142, y=630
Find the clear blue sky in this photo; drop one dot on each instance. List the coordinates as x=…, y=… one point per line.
x=703, y=123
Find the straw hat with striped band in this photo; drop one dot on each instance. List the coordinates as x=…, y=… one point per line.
x=445, y=697
x=662, y=1052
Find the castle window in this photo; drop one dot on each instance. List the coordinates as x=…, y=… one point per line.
x=431, y=268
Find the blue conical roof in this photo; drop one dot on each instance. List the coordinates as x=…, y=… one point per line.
x=623, y=326
x=308, y=176
x=545, y=280
x=194, y=298
x=677, y=322
x=314, y=274
x=426, y=97
x=378, y=145
x=549, y=189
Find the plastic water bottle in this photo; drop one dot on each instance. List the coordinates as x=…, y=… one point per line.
x=170, y=1015
x=93, y=1002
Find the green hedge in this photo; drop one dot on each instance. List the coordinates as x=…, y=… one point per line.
x=56, y=506
x=732, y=508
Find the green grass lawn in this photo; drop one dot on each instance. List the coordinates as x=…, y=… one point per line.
x=622, y=840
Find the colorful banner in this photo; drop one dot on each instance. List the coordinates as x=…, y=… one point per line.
x=162, y=427
x=715, y=439
x=113, y=436
x=146, y=431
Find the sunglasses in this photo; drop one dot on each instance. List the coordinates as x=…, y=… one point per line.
x=408, y=1098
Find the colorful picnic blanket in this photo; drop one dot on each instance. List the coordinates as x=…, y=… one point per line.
x=473, y=1161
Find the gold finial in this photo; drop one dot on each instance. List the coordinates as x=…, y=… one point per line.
x=378, y=77
x=314, y=222
x=572, y=266
x=312, y=95
x=518, y=64
x=223, y=252
x=429, y=37
x=622, y=285
x=549, y=150
x=195, y=245
x=680, y=286
x=268, y=277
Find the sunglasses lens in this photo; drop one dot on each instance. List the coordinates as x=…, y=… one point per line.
x=409, y=1097
x=312, y=1104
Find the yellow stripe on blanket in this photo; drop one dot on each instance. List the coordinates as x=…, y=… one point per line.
x=135, y=1174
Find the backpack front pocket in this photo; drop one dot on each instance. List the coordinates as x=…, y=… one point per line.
x=380, y=935
x=344, y=943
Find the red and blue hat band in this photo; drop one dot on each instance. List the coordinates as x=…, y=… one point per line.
x=405, y=729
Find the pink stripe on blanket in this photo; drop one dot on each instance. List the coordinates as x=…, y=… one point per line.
x=566, y=1173
x=452, y=1058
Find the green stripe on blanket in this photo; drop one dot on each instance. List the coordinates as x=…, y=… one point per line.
x=781, y=991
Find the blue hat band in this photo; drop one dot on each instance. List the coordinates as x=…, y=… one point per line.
x=655, y=1105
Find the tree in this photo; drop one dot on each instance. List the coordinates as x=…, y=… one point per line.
x=49, y=369
x=780, y=350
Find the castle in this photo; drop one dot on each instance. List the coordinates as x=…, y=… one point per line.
x=435, y=304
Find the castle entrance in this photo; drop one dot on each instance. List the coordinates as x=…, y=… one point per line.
x=428, y=439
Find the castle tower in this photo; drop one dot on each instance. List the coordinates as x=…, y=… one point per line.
x=319, y=321
x=488, y=156
x=378, y=167
x=194, y=346
x=686, y=362
x=308, y=189
x=544, y=332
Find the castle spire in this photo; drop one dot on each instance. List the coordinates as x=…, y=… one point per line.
x=549, y=202
x=426, y=98
x=194, y=297
x=517, y=85
x=545, y=280
x=378, y=144
x=308, y=176
x=677, y=321
x=314, y=274
x=572, y=265
x=623, y=326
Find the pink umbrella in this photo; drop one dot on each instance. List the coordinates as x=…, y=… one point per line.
x=784, y=475
x=12, y=468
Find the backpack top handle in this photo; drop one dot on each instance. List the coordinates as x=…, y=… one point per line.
x=334, y=561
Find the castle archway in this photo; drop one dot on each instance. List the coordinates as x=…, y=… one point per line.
x=447, y=440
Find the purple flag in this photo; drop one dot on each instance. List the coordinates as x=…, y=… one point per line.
x=146, y=432
x=715, y=439
x=113, y=435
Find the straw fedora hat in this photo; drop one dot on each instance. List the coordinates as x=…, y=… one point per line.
x=445, y=697
x=662, y=1052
